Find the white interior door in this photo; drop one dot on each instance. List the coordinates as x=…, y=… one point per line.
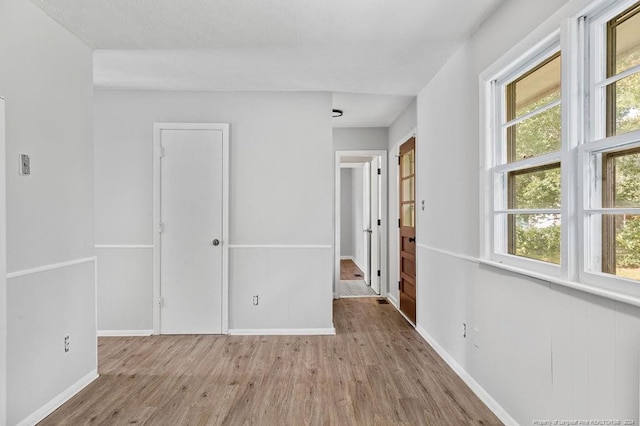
x=366, y=220
x=191, y=215
x=375, y=216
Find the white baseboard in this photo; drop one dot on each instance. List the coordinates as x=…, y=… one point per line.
x=283, y=332
x=123, y=333
x=346, y=257
x=393, y=301
x=358, y=264
x=484, y=396
x=56, y=402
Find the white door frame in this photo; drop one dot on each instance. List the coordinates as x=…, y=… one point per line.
x=157, y=153
x=383, y=227
x=3, y=268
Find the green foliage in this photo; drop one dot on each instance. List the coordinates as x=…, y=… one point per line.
x=538, y=237
x=628, y=98
x=541, y=133
x=628, y=243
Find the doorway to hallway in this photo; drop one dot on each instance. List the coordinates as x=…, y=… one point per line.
x=360, y=240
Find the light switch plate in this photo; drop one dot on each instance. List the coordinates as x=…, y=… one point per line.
x=25, y=165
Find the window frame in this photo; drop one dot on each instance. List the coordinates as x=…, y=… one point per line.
x=575, y=28
x=596, y=146
x=500, y=168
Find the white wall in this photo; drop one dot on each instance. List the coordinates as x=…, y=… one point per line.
x=3, y=271
x=401, y=128
x=46, y=79
x=543, y=351
x=281, y=193
x=346, y=212
x=357, y=218
x=360, y=138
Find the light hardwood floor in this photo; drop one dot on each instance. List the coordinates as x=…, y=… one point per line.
x=376, y=371
x=350, y=271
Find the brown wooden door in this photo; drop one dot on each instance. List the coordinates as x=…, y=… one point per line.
x=407, y=191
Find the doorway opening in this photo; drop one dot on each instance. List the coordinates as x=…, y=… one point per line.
x=360, y=240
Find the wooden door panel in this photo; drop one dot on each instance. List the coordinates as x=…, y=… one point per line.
x=409, y=266
x=407, y=198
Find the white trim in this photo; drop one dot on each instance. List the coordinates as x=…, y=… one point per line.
x=364, y=296
x=347, y=258
x=123, y=246
x=359, y=266
x=475, y=387
x=56, y=402
x=384, y=227
x=279, y=246
x=95, y=306
x=124, y=333
x=617, y=77
x=393, y=301
x=283, y=331
x=50, y=267
x=450, y=253
x=532, y=113
x=157, y=150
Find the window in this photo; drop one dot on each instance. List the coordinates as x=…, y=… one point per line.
x=527, y=203
x=562, y=158
x=613, y=152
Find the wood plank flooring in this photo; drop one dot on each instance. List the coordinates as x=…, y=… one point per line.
x=349, y=271
x=376, y=371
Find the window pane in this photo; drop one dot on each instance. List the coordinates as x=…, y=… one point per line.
x=621, y=245
x=624, y=99
x=407, y=189
x=535, y=236
x=536, y=135
x=625, y=31
x=534, y=90
x=535, y=189
x=408, y=215
x=408, y=164
x=622, y=179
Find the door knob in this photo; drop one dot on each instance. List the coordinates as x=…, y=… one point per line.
x=367, y=230
x=412, y=239
x=216, y=242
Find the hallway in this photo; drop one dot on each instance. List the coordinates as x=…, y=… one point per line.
x=376, y=370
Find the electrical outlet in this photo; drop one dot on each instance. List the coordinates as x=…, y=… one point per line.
x=25, y=165
x=476, y=337
x=256, y=300
x=66, y=344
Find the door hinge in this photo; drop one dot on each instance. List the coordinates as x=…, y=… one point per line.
x=161, y=152
x=379, y=171
x=399, y=285
x=378, y=272
x=399, y=157
x=160, y=302
x=398, y=223
x=160, y=227
x=379, y=222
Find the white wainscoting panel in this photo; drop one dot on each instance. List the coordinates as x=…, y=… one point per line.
x=46, y=306
x=125, y=287
x=293, y=285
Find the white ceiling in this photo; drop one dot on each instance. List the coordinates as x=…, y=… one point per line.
x=383, y=47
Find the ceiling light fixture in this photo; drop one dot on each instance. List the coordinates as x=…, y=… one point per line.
x=337, y=113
